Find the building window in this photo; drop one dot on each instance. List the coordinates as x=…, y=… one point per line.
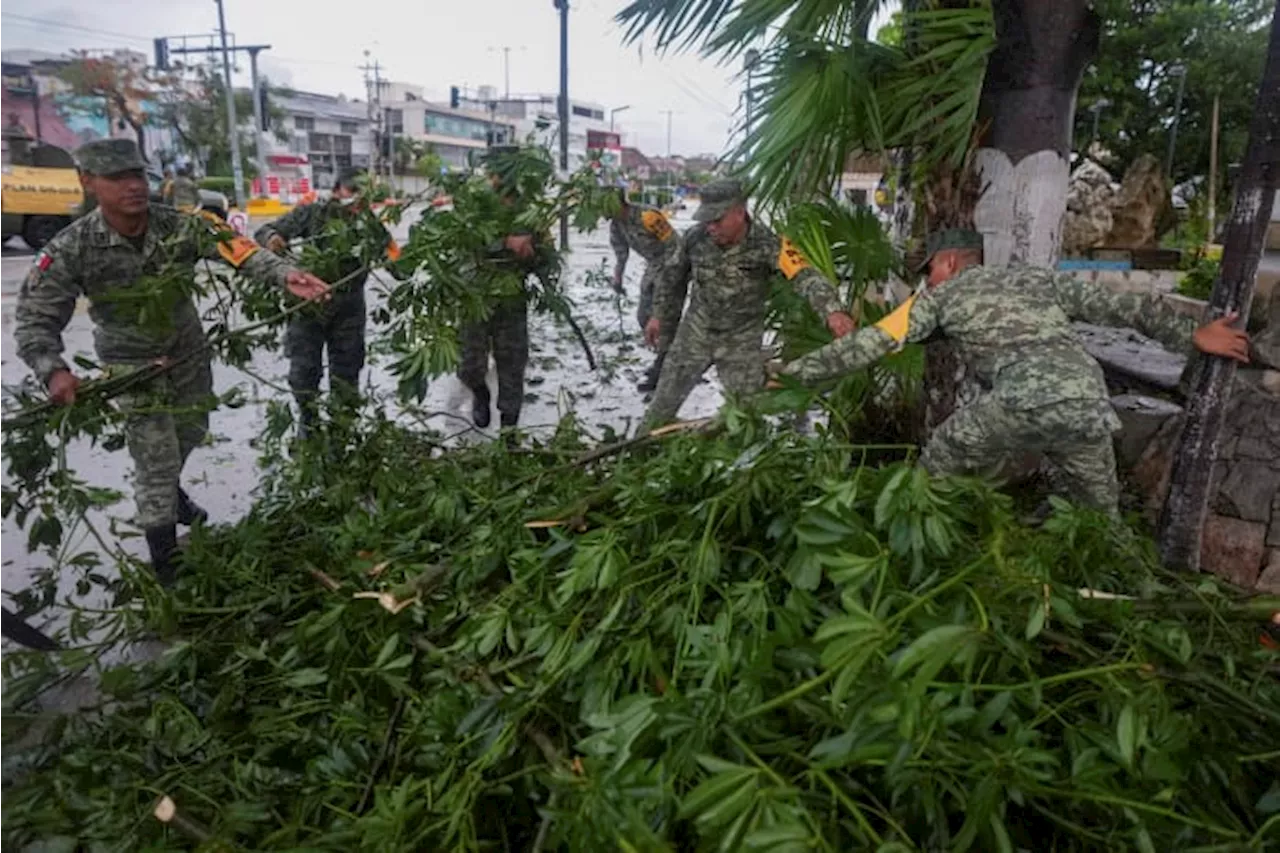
x=395, y=121
x=342, y=145
x=349, y=127
x=598, y=115
x=304, y=123
x=321, y=142
x=585, y=112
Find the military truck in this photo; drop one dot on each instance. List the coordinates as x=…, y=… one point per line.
x=41, y=191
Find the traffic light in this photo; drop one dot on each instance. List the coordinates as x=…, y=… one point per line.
x=454, y=97
x=162, y=54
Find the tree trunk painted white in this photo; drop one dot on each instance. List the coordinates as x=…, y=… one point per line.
x=1022, y=206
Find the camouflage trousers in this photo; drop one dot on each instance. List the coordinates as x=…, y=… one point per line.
x=339, y=328
x=644, y=311
x=505, y=333
x=166, y=420
x=737, y=355
x=1074, y=435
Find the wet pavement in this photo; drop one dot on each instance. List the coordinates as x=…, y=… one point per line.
x=223, y=474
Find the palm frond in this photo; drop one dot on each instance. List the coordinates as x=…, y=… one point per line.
x=818, y=103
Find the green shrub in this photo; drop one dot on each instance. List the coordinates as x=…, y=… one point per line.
x=1197, y=282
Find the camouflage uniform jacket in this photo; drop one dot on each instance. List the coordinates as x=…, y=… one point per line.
x=1013, y=328
x=644, y=229
x=311, y=221
x=730, y=284
x=89, y=258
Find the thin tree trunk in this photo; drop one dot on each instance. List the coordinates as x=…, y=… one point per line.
x=1211, y=380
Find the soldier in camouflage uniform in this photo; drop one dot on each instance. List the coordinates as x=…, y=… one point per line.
x=1044, y=393
x=183, y=192
x=338, y=325
x=647, y=231
x=731, y=261
x=505, y=332
x=128, y=248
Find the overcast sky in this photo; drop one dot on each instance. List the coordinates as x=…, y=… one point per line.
x=432, y=43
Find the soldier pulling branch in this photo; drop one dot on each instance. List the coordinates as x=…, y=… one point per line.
x=730, y=259
x=1045, y=394
x=125, y=257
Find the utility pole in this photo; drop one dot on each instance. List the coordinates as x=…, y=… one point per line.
x=163, y=49
x=506, y=68
x=613, y=112
x=257, y=114
x=668, y=112
x=1211, y=377
x=1213, y=167
x=373, y=94
x=563, y=7
x=233, y=131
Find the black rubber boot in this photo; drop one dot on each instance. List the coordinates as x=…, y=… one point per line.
x=189, y=512
x=509, y=434
x=480, y=408
x=163, y=544
x=650, y=381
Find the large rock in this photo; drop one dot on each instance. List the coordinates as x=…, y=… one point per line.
x=1141, y=207
x=1088, y=218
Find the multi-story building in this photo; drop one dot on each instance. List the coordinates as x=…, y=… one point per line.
x=535, y=117
x=326, y=134
x=454, y=134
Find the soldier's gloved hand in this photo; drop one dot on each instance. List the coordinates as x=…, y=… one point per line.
x=1218, y=338
x=840, y=323
x=652, y=330
x=277, y=244
x=62, y=387
x=306, y=286
x=617, y=282
x=521, y=245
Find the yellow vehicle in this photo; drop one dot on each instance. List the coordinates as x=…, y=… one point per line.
x=41, y=191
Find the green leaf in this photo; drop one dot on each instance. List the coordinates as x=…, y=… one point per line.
x=1035, y=623
x=946, y=640
x=308, y=677
x=1128, y=730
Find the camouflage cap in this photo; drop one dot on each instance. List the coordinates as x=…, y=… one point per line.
x=949, y=238
x=109, y=157
x=718, y=198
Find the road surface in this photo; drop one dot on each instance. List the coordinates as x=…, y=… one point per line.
x=222, y=475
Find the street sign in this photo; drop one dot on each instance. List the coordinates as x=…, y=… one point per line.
x=239, y=222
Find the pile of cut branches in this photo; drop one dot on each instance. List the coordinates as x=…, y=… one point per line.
x=744, y=640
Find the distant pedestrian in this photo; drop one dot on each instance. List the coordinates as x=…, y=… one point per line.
x=183, y=192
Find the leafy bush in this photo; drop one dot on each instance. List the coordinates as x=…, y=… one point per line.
x=1197, y=282
x=732, y=641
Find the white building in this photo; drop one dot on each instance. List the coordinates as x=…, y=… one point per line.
x=535, y=117
x=327, y=133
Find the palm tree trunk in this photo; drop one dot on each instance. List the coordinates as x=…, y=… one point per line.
x=1023, y=158
x=1026, y=114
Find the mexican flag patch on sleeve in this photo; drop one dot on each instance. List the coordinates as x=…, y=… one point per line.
x=43, y=261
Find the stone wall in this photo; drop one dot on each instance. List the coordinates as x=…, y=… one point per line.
x=1241, y=539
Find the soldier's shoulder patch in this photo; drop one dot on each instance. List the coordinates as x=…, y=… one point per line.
x=790, y=261
x=656, y=224
x=237, y=250
x=897, y=323
x=43, y=261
